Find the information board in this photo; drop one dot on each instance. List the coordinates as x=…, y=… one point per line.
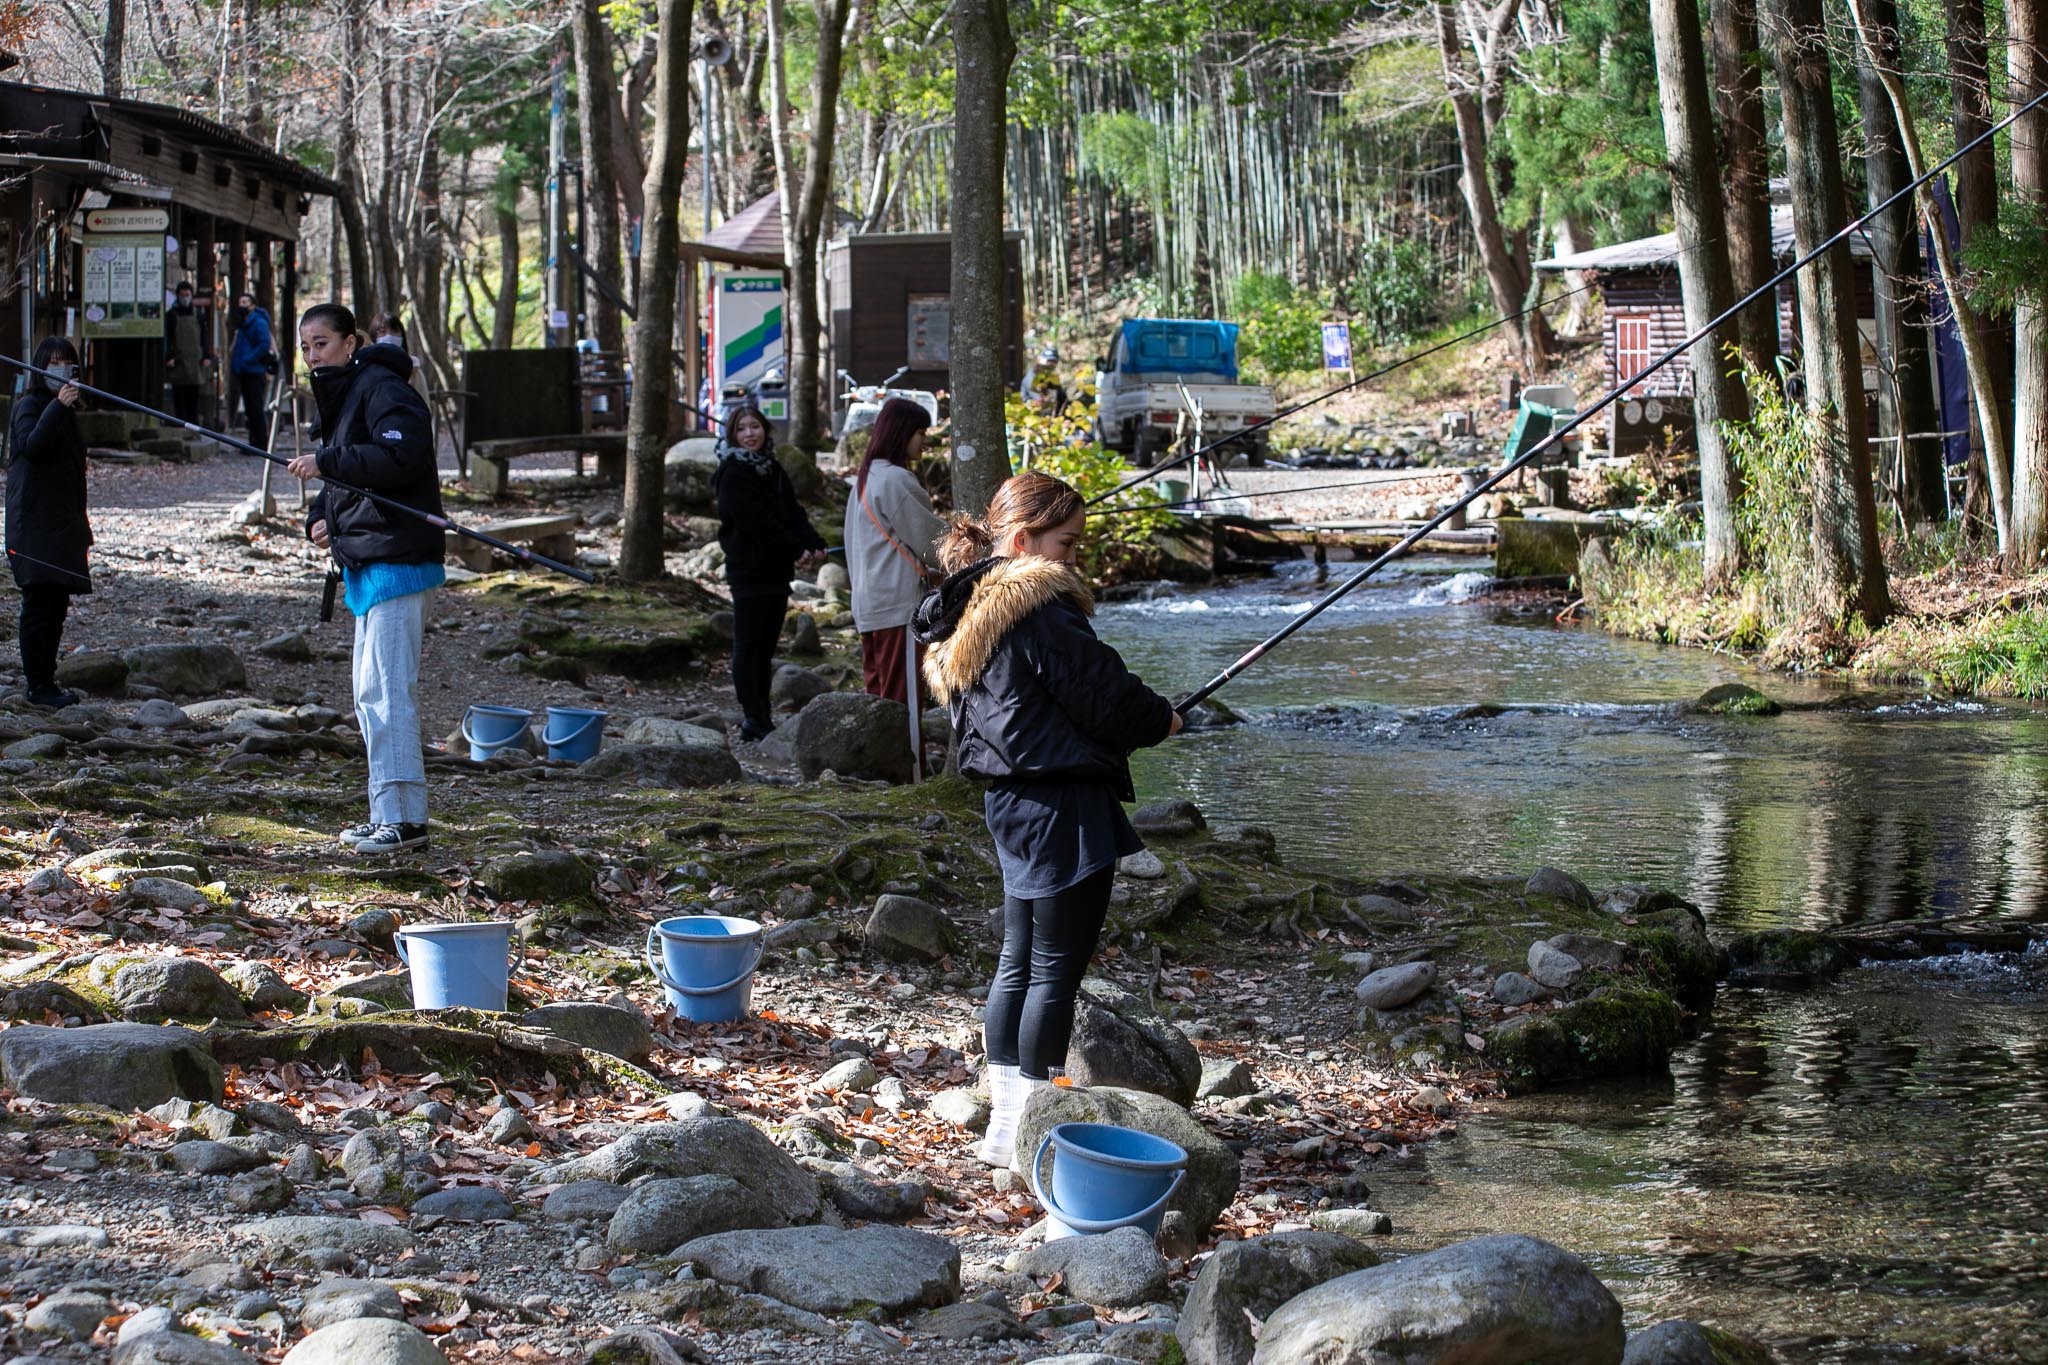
x=122, y=285
x=1337, y=346
x=746, y=326
x=930, y=343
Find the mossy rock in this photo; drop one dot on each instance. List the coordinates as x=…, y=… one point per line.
x=547, y=875
x=451, y=1040
x=1615, y=1032
x=1787, y=957
x=1734, y=699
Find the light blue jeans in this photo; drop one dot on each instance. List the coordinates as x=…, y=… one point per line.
x=387, y=679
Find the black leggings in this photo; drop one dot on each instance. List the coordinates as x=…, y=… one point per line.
x=756, y=629
x=255, y=389
x=1047, y=942
x=43, y=610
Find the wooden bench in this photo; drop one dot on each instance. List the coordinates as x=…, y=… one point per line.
x=492, y=469
x=554, y=537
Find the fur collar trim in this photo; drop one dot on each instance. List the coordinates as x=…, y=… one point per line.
x=1005, y=593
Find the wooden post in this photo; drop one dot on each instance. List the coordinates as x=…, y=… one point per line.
x=693, y=338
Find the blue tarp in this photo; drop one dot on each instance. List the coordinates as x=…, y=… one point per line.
x=1175, y=348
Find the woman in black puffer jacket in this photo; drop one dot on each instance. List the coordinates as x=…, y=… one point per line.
x=47, y=530
x=1047, y=715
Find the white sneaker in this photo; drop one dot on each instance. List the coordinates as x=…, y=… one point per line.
x=1005, y=1107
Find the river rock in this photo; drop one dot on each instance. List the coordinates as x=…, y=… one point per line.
x=1513, y=988
x=39, y=999
x=68, y=1315
x=1688, y=1343
x=1246, y=1281
x=972, y=1320
x=93, y=670
x=1390, y=988
x=1117, y=1269
x=1357, y=1224
x=1225, y=1078
x=668, y=766
x=159, y=714
x=1548, y=967
x=122, y=1066
x=680, y=734
x=174, y=988
x=1212, y=1177
x=1601, y=954
x=547, y=874
x=1171, y=818
x=1549, y=881
x=345, y=1300
x=367, y=1341
x=292, y=647
x=1489, y=1301
x=829, y=1270
x=617, y=1032
x=166, y=1347
x=295, y=1235
x=1144, y=866
x=206, y=1157
x=1734, y=699
x=832, y=577
x=803, y=636
x=661, y=1215
x=640, y=1346
x=164, y=892
x=36, y=746
x=854, y=735
x=187, y=670
x=466, y=1204
x=961, y=1108
x=1121, y=1041
x=906, y=929
x=391, y=990
x=700, y=1146
x=863, y=1200
x=261, y=988
x=260, y=1191
x=857, y=1074
x=793, y=686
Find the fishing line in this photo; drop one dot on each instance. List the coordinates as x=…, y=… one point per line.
x=1408, y=542
x=518, y=552
x=54, y=568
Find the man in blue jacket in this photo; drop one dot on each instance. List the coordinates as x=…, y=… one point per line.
x=252, y=362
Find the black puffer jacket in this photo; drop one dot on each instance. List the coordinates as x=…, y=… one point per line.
x=761, y=526
x=46, y=524
x=378, y=435
x=1033, y=692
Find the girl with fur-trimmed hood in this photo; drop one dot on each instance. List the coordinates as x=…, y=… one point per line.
x=1047, y=715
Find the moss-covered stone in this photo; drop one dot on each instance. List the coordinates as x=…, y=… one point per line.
x=1615, y=1032
x=1734, y=699
x=1787, y=957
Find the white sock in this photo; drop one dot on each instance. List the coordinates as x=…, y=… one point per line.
x=1005, y=1107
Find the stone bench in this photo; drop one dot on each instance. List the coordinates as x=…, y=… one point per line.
x=490, y=469
x=554, y=537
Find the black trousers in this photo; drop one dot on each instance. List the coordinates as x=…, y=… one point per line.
x=254, y=388
x=1047, y=943
x=185, y=402
x=756, y=628
x=43, y=610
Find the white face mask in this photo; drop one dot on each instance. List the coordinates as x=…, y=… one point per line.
x=61, y=373
x=389, y=341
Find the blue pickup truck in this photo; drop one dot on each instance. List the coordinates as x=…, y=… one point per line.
x=1140, y=405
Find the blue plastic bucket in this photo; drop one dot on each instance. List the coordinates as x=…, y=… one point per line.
x=706, y=965
x=467, y=965
x=1106, y=1177
x=573, y=733
x=491, y=728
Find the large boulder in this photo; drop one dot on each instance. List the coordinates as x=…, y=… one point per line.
x=1243, y=1282
x=174, y=988
x=700, y=1146
x=547, y=874
x=622, y=1033
x=1489, y=1301
x=122, y=1066
x=93, y=670
x=1119, y=1269
x=1119, y=1040
x=189, y=670
x=367, y=1341
x=906, y=929
x=661, y=1215
x=830, y=1270
x=1689, y=1343
x=855, y=735
x=687, y=470
x=664, y=765
x=1212, y=1166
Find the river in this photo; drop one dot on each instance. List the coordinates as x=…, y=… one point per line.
x=1857, y=1173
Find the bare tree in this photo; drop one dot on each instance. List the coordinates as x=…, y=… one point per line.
x=1848, y=567
x=2027, y=65
x=112, y=43
x=653, y=344
x=1703, y=273
x=983, y=49
x=596, y=104
x=1745, y=161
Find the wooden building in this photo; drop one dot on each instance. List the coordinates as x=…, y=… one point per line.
x=106, y=203
x=1644, y=316
x=888, y=298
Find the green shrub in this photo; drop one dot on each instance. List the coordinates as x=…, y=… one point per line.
x=1280, y=328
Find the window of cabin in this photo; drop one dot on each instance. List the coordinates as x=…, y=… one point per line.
x=1631, y=348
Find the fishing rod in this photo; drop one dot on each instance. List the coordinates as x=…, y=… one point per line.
x=1409, y=541
x=1156, y=470
x=518, y=552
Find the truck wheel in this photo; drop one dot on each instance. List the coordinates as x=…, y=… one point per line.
x=1255, y=451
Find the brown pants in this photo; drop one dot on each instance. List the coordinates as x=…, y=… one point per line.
x=888, y=668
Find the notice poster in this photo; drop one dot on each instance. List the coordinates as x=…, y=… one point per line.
x=929, y=345
x=122, y=285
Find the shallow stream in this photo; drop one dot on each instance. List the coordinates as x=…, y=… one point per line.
x=1858, y=1173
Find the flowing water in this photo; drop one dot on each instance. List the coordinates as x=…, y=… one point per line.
x=1857, y=1173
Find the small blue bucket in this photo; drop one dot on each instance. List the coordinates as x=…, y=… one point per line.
x=573, y=733
x=706, y=965
x=491, y=728
x=1106, y=1177
x=467, y=965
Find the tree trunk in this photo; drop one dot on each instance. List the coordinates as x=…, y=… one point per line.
x=2027, y=65
x=653, y=343
x=1991, y=415
x=983, y=50
x=805, y=201
x=1745, y=159
x=596, y=102
x=1704, y=278
x=1506, y=276
x=1905, y=396
x=1976, y=211
x=505, y=312
x=1848, y=569
x=112, y=45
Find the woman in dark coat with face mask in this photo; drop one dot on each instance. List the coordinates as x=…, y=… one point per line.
x=47, y=530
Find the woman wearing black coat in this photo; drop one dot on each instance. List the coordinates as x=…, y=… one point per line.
x=47, y=530
x=1047, y=715
x=766, y=538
